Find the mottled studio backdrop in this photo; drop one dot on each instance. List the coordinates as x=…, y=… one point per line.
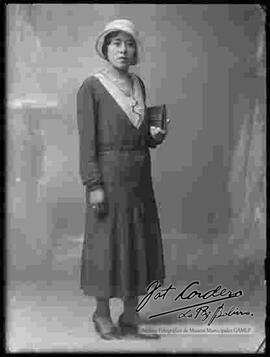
x=196, y=59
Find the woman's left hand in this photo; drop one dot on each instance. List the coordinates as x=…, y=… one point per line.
x=159, y=134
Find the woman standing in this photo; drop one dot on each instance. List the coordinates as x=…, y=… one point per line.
x=122, y=250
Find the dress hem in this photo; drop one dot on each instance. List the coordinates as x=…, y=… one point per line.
x=118, y=295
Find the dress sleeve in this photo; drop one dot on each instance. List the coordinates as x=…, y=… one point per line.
x=152, y=143
x=87, y=126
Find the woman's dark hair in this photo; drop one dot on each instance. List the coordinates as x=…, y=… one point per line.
x=107, y=40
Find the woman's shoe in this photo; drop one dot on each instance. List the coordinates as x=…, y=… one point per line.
x=112, y=334
x=126, y=327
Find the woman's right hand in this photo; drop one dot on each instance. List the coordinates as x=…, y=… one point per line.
x=96, y=196
x=98, y=202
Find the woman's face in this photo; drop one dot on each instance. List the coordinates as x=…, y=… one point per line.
x=121, y=51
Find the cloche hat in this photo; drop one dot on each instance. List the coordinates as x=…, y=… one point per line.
x=118, y=25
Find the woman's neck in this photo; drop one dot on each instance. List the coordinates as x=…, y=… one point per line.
x=117, y=73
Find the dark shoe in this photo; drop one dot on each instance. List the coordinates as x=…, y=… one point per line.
x=127, y=328
x=132, y=329
x=112, y=334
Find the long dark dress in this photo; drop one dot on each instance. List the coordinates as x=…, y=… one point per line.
x=122, y=252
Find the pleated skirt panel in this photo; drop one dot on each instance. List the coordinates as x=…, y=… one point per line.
x=122, y=253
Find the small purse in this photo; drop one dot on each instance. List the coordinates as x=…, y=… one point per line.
x=157, y=116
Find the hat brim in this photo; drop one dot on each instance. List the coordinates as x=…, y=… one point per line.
x=101, y=37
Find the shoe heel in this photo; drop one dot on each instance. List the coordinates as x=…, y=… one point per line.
x=109, y=335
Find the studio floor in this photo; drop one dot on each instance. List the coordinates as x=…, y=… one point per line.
x=52, y=315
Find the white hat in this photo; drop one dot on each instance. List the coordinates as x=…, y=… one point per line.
x=118, y=25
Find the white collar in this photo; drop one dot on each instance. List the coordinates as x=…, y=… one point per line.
x=134, y=105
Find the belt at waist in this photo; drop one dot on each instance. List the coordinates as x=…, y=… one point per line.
x=106, y=148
